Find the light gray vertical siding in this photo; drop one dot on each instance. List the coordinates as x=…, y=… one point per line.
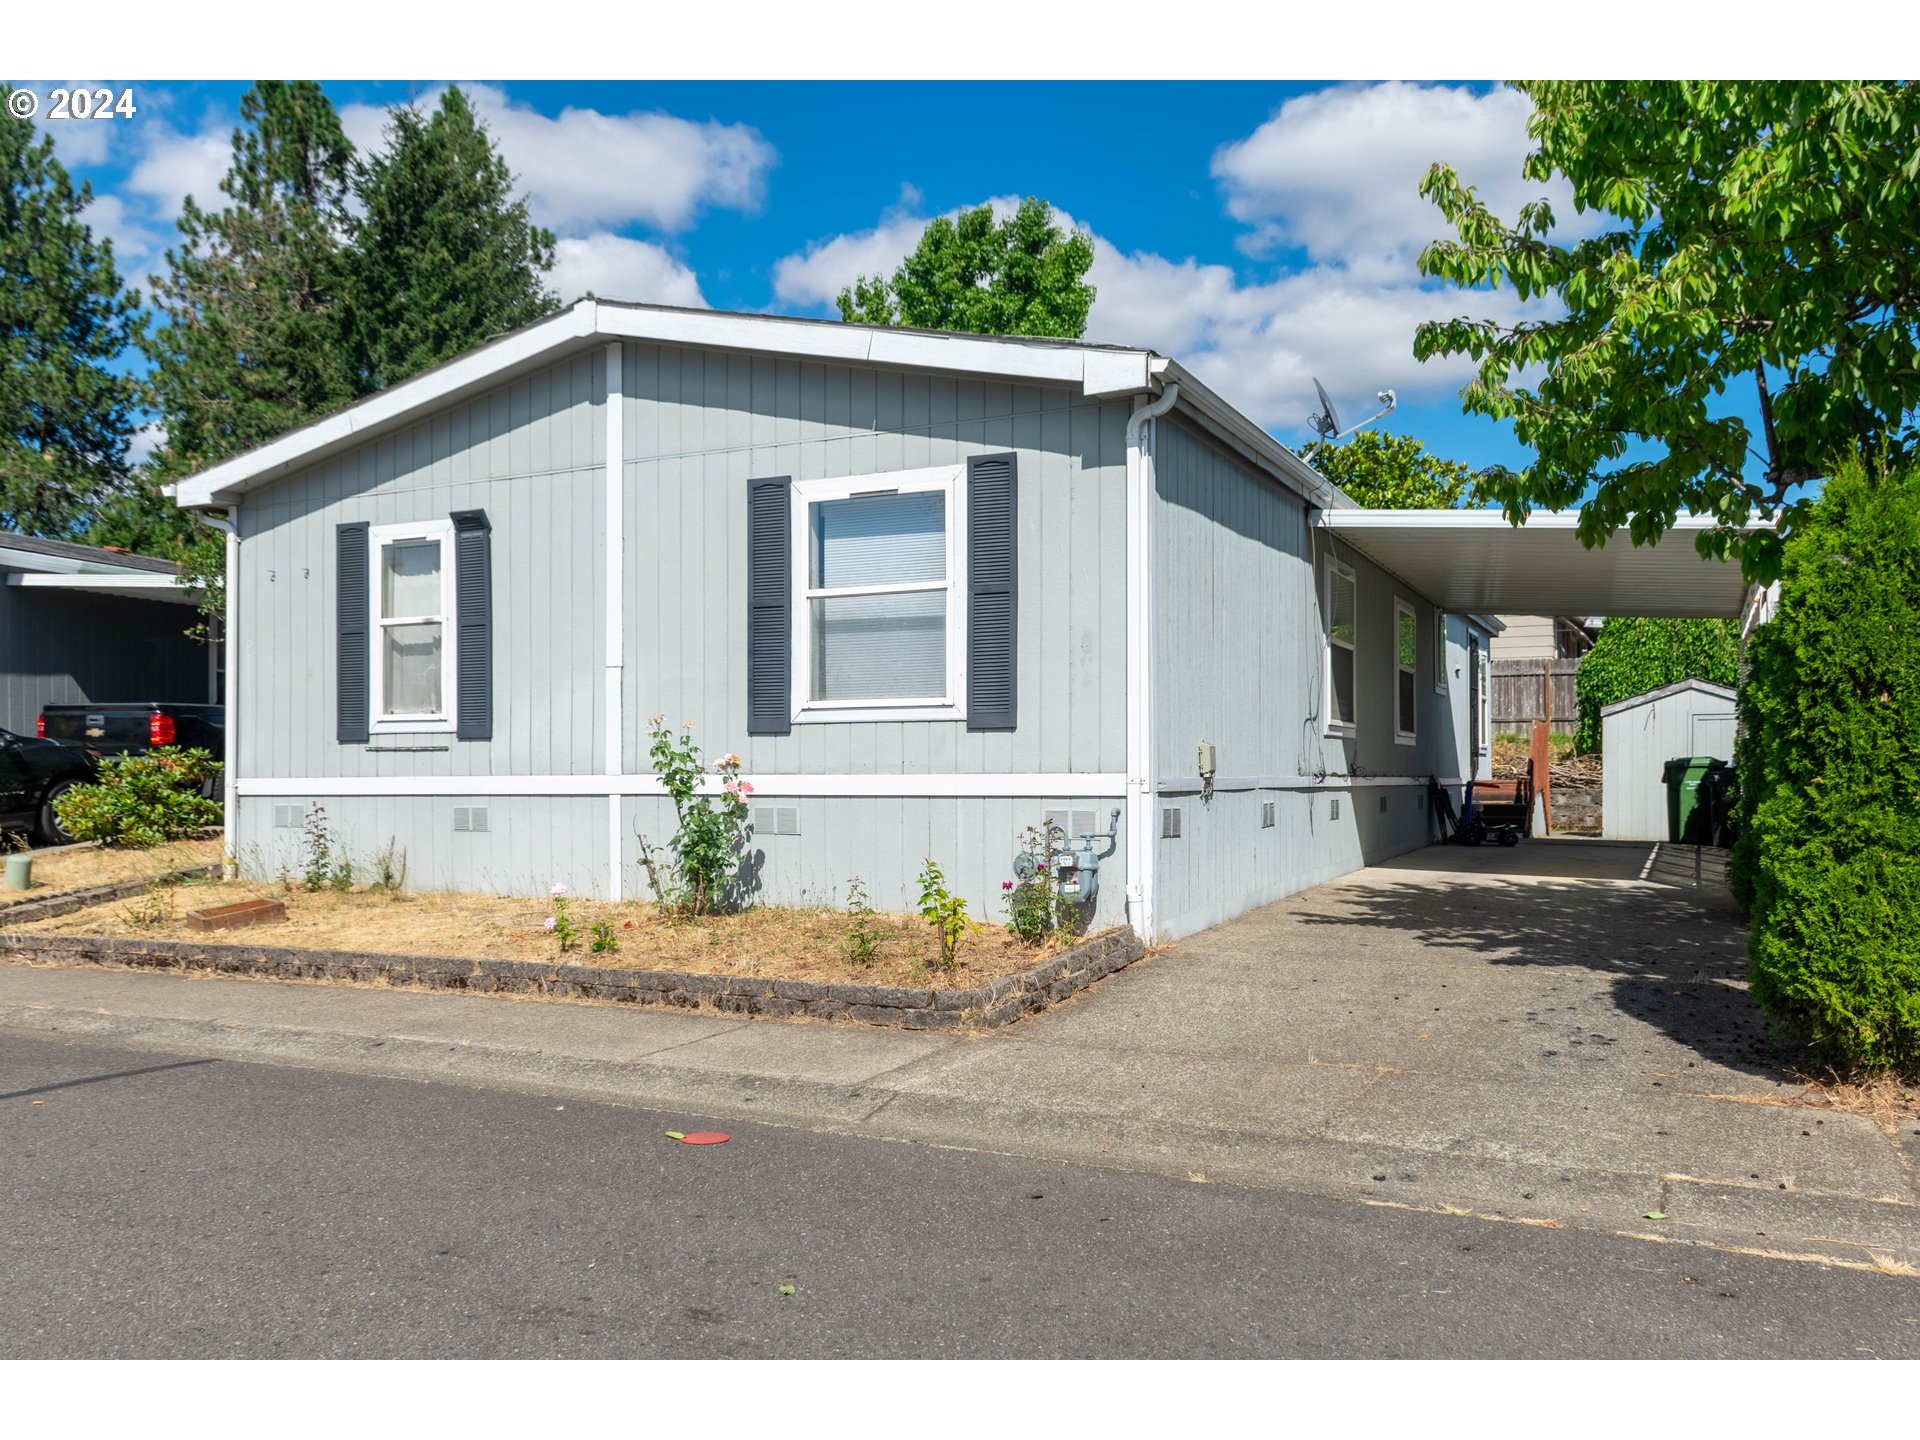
x=701, y=423
x=696, y=425
x=72, y=648
x=1638, y=741
x=1239, y=640
x=531, y=455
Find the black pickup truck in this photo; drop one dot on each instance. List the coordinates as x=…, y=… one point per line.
x=33, y=773
x=136, y=726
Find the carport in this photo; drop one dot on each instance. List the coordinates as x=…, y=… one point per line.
x=1476, y=562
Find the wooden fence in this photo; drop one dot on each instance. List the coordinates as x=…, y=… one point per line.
x=1522, y=690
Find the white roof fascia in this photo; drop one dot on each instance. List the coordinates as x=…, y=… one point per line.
x=1095, y=371
x=1358, y=519
x=1647, y=697
x=38, y=564
x=1221, y=419
x=476, y=371
x=142, y=586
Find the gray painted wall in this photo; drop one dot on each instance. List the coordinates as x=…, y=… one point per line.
x=71, y=648
x=1238, y=660
x=1637, y=743
x=697, y=426
x=700, y=424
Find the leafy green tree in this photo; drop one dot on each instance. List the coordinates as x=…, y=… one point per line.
x=1633, y=655
x=1828, y=855
x=1391, y=472
x=253, y=339
x=1021, y=276
x=1759, y=235
x=443, y=256
x=65, y=414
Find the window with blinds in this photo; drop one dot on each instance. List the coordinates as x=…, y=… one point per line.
x=876, y=606
x=1406, y=659
x=1343, y=605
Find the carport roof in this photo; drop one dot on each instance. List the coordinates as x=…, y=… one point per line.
x=1474, y=560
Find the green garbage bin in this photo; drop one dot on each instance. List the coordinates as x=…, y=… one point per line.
x=1689, y=817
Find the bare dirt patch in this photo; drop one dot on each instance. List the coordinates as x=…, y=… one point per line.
x=767, y=941
x=81, y=866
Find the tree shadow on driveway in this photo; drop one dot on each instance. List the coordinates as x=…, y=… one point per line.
x=1675, y=959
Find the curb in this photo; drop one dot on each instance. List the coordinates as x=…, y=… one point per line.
x=988, y=1006
x=21, y=912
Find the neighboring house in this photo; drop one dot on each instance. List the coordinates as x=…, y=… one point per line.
x=1544, y=637
x=1639, y=735
x=81, y=624
x=930, y=587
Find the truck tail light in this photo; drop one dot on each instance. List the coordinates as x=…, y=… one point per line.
x=40, y=727
x=160, y=730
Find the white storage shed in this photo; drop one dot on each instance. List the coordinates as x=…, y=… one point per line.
x=1638, y=737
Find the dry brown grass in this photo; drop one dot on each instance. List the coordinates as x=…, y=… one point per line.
x=1891, y=1103
x=85, y=865
x=779, y=943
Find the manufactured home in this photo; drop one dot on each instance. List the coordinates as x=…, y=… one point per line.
x=931, y=588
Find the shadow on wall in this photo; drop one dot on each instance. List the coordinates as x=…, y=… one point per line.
x=1677, y=964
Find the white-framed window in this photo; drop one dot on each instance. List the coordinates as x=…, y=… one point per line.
x=1440, y=668
x=1343, y=612
x=412, y=657
x=1406, y=680
x=879, y=622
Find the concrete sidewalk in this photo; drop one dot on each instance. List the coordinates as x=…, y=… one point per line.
x=1566, y=1043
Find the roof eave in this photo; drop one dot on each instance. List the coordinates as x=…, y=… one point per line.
x=1097, y=371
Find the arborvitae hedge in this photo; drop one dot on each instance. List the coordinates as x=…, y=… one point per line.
x=1828, y=859
x=1635, y=654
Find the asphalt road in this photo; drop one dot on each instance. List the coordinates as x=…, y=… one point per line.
x=167, y=1206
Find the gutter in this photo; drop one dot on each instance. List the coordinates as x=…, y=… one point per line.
x=1140, y=803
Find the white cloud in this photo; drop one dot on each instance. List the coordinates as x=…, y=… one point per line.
x=617, y=267
x=825, y=269
x=582, y=169
x=144, y=441
x=1337, y=172
x=133, y=240
x=176, y=165
x=1262, y=345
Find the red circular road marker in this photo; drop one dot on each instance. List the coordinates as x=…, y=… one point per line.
x=705, y=1137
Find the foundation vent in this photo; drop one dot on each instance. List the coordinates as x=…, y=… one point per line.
x=287, y=817
x=1170, y=823
x=1333, y=810
x=776, y=819
x=470, y=818
x=1266, y=815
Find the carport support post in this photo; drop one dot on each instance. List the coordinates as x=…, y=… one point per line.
x=1539, y=763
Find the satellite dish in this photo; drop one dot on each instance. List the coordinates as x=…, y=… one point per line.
x=1326, y=424
x=1326, y=421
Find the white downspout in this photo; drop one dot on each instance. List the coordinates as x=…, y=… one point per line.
x=229, y=637
x=1140, y=493
x=615, y=639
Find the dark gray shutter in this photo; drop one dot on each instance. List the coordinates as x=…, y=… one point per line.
x=992, y=591
x=473, y=613
x=352, y=597
x=769, y=607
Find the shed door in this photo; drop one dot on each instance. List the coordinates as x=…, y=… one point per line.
x=1713, y=735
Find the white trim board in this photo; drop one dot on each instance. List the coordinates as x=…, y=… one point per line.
x=1060, y=786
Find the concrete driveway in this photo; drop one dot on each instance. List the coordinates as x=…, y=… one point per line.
x=1555, y=1034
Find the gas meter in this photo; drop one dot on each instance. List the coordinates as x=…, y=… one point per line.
x=1075, y=861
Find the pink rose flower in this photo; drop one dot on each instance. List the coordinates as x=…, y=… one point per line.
x=746, y=787
x=557, y=891
x=550, y=925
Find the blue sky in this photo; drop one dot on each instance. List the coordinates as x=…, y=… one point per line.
x=1262, y=233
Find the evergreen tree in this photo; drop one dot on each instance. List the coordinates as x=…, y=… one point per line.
x=444, y=256
x=254, y=339
x=64, y=415
x=1828, y=855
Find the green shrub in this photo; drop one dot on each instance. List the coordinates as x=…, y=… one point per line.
x=1828, y=856
x=1634, y=655
x=144, y=799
